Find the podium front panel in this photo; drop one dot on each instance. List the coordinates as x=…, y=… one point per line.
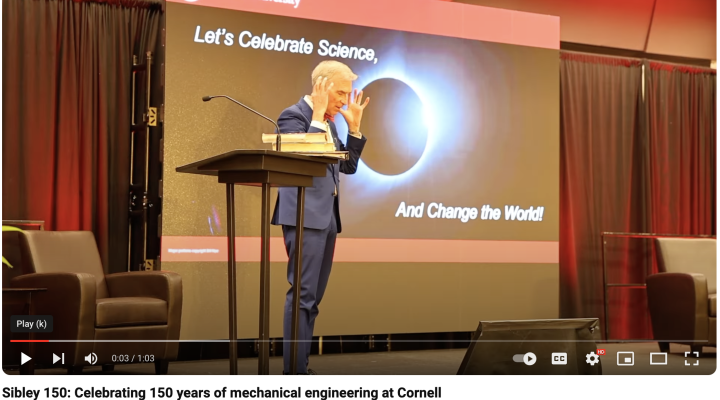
x=258, y=178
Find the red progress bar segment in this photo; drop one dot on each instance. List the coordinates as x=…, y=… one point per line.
x=29, y=341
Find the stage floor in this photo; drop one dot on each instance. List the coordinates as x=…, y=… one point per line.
x=425, y=362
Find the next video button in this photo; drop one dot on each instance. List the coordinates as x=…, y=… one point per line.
x=31, y=323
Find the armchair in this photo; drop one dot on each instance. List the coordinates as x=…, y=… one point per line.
x=682, y=297
x=91, y=310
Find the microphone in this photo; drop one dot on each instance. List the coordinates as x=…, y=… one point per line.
x=208, y=98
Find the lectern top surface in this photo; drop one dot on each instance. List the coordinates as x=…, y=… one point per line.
x=571, y=323
x=224, y=161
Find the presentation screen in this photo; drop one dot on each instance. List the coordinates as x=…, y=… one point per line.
x=457, y=191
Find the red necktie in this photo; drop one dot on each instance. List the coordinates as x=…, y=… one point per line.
x=330, y=117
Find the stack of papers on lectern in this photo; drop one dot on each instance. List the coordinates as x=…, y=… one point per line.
x=307, y=144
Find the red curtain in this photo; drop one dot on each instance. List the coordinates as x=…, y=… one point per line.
x=66, y=113
x=681, y=148
x=600, y=170
x=630, y=162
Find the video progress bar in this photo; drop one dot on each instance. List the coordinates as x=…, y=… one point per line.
x=354, y=341
x=130, y=341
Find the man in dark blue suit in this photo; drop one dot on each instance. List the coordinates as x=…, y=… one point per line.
x=332, y=90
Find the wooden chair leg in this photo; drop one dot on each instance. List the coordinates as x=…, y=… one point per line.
x=696, y=348
x=161, y=367
x=664, y=347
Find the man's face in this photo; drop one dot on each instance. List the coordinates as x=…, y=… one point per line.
x=339, y=95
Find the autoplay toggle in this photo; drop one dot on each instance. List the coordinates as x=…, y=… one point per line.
x=527, y=358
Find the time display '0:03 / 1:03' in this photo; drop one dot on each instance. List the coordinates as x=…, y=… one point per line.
x=133, y=358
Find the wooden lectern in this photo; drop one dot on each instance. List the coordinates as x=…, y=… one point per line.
x=264, y=168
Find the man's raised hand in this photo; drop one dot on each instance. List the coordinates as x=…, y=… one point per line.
x=320, y=98
x=354, y=112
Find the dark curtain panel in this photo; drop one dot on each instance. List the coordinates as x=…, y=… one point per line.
x=601, y=186
x=66, y=113
x=629, y=163
x=681, y=143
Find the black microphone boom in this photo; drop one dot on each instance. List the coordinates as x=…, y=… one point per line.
x=208, y=98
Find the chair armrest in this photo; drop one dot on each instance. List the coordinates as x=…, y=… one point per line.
x=163, y=285
x=678, y=304
x=70, y=299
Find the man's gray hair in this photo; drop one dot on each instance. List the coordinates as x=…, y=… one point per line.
x=332, y=69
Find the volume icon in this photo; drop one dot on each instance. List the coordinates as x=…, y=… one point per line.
x=91, y=358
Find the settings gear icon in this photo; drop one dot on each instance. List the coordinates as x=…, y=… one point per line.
x=592, y=358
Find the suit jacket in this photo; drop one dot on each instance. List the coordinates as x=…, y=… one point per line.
x=319, y=199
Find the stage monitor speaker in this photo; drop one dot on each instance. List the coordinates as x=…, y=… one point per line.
x=534, y=347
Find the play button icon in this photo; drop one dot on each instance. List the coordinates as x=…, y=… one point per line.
x=24, y=358
x=529, y=358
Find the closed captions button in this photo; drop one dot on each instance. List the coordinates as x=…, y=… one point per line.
x=559, y=358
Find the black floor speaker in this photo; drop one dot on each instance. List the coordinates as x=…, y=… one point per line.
x=534, y=347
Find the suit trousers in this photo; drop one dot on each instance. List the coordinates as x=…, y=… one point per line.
x=317, y=258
